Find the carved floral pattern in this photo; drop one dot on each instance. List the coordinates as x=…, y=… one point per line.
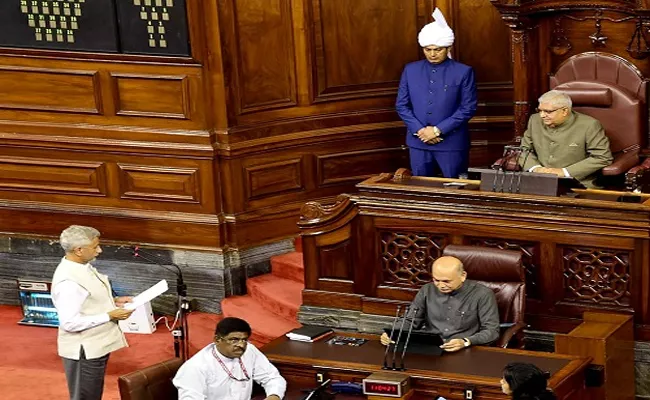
x=407, y=257
x=597, y=276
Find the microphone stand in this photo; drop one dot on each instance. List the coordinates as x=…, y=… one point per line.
x=508, y=150
x=497, y=167
x=518, y=149
x=392, y=330
x=181, y=333
x=399, y=335
x=528, y=151
x=408, y=336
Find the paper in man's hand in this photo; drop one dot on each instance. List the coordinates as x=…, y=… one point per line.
x=148, y=295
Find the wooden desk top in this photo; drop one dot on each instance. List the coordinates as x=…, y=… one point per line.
x=476, y=365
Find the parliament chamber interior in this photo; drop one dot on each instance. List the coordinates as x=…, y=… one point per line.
x=253, y=148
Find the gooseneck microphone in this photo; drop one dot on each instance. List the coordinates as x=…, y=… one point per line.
x=407, y=309
x=154, y=259
x=498, y=167
x=528, y=151
x=392, y=330
x=181, y=333
x=408, y=336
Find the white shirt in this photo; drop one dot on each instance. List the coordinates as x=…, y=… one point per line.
x=203, y=378
x=68, y=297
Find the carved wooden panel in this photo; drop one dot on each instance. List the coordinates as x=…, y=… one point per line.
x=265, y=77
x=50, y=90
x=52, y=176
x=354, y=166
x=597, y=276
x=336, y=260
x=530, y=258
x=361, y=47
x=152, y=96
x=407, y=257
x=159, y=183
x=274, y=178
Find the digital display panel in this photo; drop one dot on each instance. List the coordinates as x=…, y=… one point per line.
x=383, y=388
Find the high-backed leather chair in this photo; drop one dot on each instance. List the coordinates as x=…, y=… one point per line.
x=501, y=271
x=612, y=90
x=151, y=383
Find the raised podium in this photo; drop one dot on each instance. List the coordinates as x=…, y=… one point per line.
x=373, y=249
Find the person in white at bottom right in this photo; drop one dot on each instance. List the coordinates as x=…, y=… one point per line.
x=226, y=369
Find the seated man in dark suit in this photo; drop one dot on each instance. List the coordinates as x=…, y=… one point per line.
x=463, y=312
x=564, y=142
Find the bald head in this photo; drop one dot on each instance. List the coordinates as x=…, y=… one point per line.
x=448, y=274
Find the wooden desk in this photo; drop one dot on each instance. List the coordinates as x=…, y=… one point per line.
x=609, y=340
x=373, y=250
x=447, y=375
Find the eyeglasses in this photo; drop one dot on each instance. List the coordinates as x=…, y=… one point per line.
x=234, y=341
x=548, y=111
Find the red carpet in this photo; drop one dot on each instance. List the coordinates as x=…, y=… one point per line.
x=31, y=369
x=273, y=299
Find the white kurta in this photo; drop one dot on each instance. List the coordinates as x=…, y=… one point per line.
x=203, y=378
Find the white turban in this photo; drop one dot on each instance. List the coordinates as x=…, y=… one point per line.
x=437, y=33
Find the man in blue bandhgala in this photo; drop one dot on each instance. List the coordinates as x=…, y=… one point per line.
x=436, y=99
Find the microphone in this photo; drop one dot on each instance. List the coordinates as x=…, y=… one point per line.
x=528, y=151
x=518, y=151
x=497, y=167
x=407, y=309
x=392, y=330
x=408, y=336
x=181, y=334
x=509, y=150
x=154, y=259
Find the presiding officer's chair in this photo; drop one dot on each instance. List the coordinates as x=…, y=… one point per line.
x=151, y=383
x=613, y=91
x=501, y=271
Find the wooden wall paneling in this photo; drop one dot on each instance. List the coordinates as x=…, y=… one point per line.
x=482, y=41
x=108, y=180
x=355, y=166
x=171, y=229
x=159, y=183
x=102, y=94
x=269, y=179
x=259, y=56
x=50, y=89
x=351, y=41
x=44, y=175
x=152, y=96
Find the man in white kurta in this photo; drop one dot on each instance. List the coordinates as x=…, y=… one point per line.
x=88, y=314
x=226, y=369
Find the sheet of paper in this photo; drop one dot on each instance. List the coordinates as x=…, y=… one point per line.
x=148, y=295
